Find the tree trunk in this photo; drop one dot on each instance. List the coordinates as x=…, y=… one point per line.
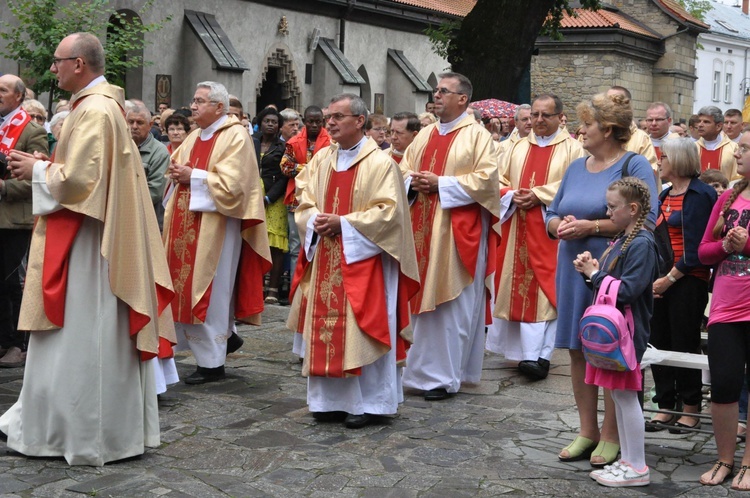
x=495, y=43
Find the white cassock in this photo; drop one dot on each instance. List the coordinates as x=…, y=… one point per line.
x=86, y=396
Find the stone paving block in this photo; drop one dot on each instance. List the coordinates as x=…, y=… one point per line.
x=12, y=485
x=389, y=493
x=101, y=483
x=328, y=482
x=269, y=439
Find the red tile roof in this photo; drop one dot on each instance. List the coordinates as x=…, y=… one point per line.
x=604, y=19
x=454, y=7
x=679, y=11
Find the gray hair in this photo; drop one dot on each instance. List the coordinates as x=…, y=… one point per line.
x=289, y=114
x=35, y=105
x=683, y=156
x=89, y=48
x=357, y=106
x=713, y=112
x=667, y=109
x=139, y=109
x=57, y=118
x=216, y=93
x=522, y=107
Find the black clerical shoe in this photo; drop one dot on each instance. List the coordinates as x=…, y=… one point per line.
x=234, y=343
x=330, y=416
x=204, y=375
x=360, y=421
x=437, y=394
x=535, y=370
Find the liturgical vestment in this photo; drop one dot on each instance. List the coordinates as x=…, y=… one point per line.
x=719, y=156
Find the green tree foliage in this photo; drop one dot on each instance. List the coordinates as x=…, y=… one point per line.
x=40, y=25
x=696, y=8
x=493, y=47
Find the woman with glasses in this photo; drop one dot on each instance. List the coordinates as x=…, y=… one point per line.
x=269, y=150
x=578, y=217
x=681, y=295
x=725, y=246
x=177, y=127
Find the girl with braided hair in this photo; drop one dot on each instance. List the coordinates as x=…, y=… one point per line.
x=725, y=246
x=631, y=258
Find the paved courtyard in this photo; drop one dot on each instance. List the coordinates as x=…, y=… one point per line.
x=252, y=436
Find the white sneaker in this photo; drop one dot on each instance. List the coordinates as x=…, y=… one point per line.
x=596, y=473
x=623, y=475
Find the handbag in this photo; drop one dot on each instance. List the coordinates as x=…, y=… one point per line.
x=664, y=250
x=606, y=334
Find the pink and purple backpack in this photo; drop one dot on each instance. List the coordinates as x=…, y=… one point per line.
x=606, y=335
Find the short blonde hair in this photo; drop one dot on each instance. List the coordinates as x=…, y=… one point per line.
x=682, y=155
x=608, y=111
x=34, y=105
x=428, y=115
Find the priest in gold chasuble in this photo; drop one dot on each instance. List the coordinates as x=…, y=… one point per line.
x=452, y=168
x=525, y=317
x=355, y=274
x=214, y=233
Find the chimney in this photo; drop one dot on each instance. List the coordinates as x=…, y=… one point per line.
x=745, y=6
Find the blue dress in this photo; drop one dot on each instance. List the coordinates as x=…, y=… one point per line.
x=583, y=195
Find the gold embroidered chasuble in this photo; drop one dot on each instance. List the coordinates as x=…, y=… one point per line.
x=727, y=162
x=472, y=160
x=515, y=264
x=234, y=185
x=379, y=212
x=97, y=172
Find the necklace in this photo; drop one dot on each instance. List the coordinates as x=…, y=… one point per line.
x=612, y=160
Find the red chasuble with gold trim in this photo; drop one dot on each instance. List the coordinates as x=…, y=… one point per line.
x=184, y=231
x=535, y=254
x=335, y=284
x=710, y=159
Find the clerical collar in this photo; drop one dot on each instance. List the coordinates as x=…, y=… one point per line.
x=445, y=128
x=208, y=132
x=658, y=141
x=737, y=138
x=545, y=141
x=345, y=157
x=713, y=143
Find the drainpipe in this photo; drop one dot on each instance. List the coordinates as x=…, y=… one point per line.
x=350, y=4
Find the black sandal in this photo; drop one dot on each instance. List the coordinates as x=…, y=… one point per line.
x=717, y=466
x=740, y=476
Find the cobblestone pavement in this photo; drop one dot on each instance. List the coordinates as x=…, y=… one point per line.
x=252, y=435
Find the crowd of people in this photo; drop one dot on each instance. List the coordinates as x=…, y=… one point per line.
x=411, y=244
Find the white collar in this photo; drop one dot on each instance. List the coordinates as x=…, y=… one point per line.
x=713, y=143
x=445, y=128
x=545, y=141
x=345, y=157
x=656, y=142
x=95, y=81
x=208, y=132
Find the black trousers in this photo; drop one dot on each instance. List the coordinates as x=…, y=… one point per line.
x=14, y=244
x=676, y=326
x=728, y=353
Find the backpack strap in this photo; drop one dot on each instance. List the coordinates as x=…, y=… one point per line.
x=609, y=288
x=625, y=171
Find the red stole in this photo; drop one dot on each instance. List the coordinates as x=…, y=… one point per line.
x=466, y=222
x=302, y=155
x=183, y=243
x=11, y=131
x=710, y=159
x=535, y=254
x=657, y=150
x=337, y=283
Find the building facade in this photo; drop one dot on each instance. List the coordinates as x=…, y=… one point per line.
x=292, y=53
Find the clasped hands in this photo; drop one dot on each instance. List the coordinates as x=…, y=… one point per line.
x=571, y=228
x=585, y=264
x=735, y=239
x=525, y=199
x=21, y=164
x=327, y=225
x=180, y=173
x=424, y=182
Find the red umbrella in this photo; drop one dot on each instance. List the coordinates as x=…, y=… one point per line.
x=494, y=108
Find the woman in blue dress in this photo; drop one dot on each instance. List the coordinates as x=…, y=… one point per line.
x=578, y=217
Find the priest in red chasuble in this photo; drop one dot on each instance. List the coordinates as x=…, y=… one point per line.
x=355, y=274
x=97, y=291
x=716, y=150
x=215, y=233
x=530, y=172
x=452, y=170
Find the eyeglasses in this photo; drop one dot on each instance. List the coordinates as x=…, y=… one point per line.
x=58, y=60
x=445, y=91
x=173, y=129
x=201, y=102
x=664, y=156
x=543, y=115
x=38, y=117
x=337, y=116
x=612, y=209
x=380, y=129
x=743, y=149
x=655, y=120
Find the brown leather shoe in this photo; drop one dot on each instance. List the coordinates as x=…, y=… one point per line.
x=14, y=358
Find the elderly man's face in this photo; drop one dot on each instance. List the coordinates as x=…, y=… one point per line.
x=140, y=126
x=9, y=98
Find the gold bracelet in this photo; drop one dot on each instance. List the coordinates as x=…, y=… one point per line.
x=597, y=227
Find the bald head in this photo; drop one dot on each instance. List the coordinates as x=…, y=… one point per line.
x=89, y=48
x=78, y=60
x=12, y=93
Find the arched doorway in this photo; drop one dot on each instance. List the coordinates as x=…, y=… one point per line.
x=131, y=80
x=366, y=91
x=432, y=81
x=278, y=85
